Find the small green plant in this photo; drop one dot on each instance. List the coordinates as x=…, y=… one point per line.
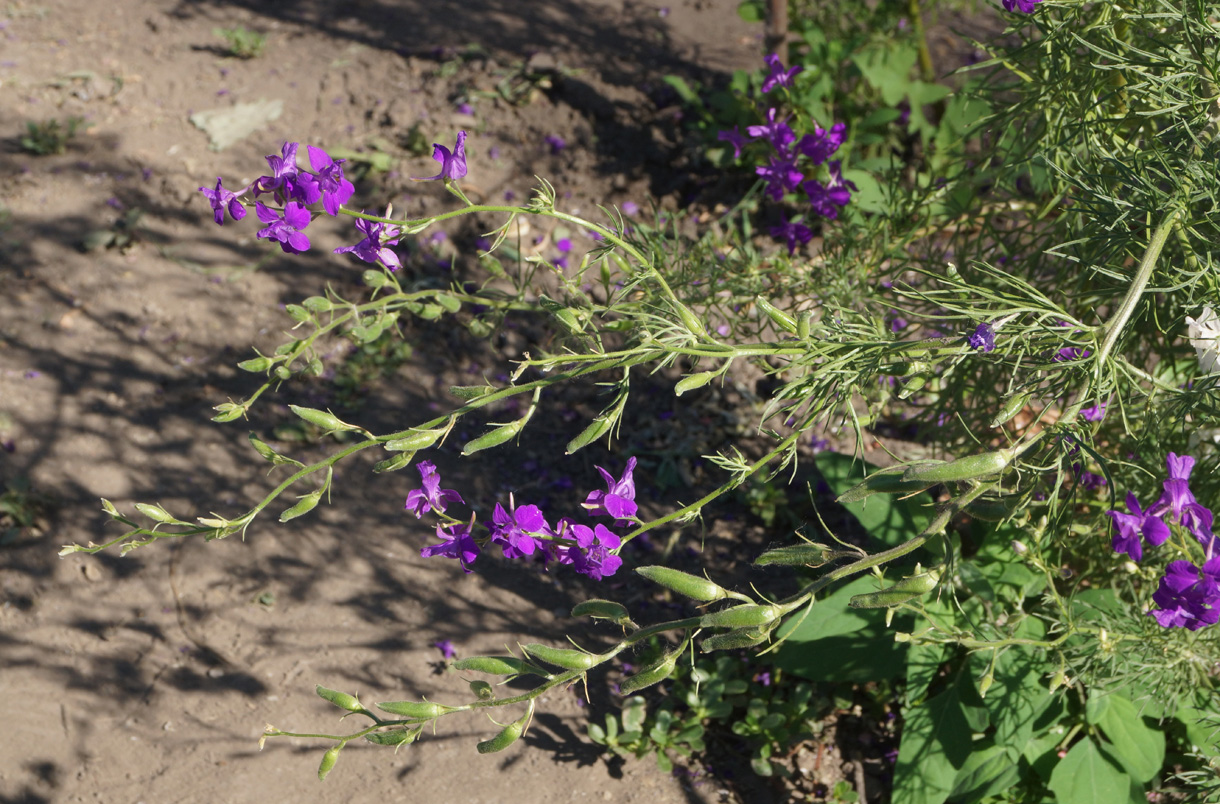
x=49, y=136
x=20, y=509
x=242, y=42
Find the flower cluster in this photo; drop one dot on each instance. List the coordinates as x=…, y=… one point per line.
x=522, y=531
x=1187, y=596
x=792, y=159
x=294, y=190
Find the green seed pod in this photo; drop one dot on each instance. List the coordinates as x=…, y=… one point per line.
x=694, y=381
x=735, y=640
x=340, y=699
x=781, y=319
x=328, y=762
x=306, y=504
x=887, y=481
x=400, y=461
x=567, y=658
x=913, y=385
x=451, y=303
x=653, y=674
x=228, y=411
x=596, y=429
x=283, y=372
x=298, y=313
x=691, y=586
x=470, y=391
x=320, y=418
x=493, y=438
x=419, y=709
x=803, y=326
x=602, y=610
x=809, y=555
x=155, y=512
x=1014, y=405
x=482, y=690
x=431, y=312
x=255, y=364
x=374, y=278
x=507, y=736
x=420, y=439
x=494, y=665
x=906, y=368
x=747, y=615
x=905, y=590
x=992, y=509
x=268, y=453
x=318, y=304
x=396, y=737
x=691, y=321
x=968, y=468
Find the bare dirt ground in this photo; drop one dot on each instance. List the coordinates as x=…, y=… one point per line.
x=148, y=678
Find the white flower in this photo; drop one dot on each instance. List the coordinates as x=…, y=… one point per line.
x=1204, y=334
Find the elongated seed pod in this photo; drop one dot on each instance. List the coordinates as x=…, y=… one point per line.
x=507, y=736
x=905, y=590
x=810, y=555
x=887, y=481
x=567, y=658
x=596, y=429
x=968, y=468
x=470, y=391
x=340, y=699
x=691, y=586
x=654, y=674
x=735, y=640
x=328, y=762
x=694, y=381
x=318, y=304
x=602, y=610
x=421, y=709
x=993, y=510
x=327, y=421
x=781, y=319
x=395, y=738
x=255, y=364
x=495, y=665
x=1014, y=405
x=304, y=506
x=744, y=616
x=420, y=439
x=494, y=438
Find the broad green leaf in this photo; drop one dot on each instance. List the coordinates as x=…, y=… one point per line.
x=1016, y=698
x=1085, y=776
x=936, y=742
x=1202, y=723
x=923, y=663
x=1140, y=748
x=988, y=770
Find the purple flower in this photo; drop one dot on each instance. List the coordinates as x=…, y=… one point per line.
x=898, y=324
x=555, y=142
x=286, y=181
x=1179, y=502
x=446, y=648
x=1094, y=413
x=564, y=245
x=286, y=230
x=983, y=338
x=335, y=189
x=1024, y=6
x=456, y=543
x=618, y=500
x=778, y=77
x=1188, y=597
x=431, y=497
x=221, y=199
x=775, y=132
x=763, y=678
x=795, y=233
x=591, y=554
x=821, y=144
x=630, y=208
x=1130, y=527
x=378, y=237
x=734, y=138
x=515, y=530
x=827, y=199
x=781, y=175
x=453, y=165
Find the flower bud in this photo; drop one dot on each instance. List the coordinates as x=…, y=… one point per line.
x=298, y=313
x=691, y=586
x=1019, y=547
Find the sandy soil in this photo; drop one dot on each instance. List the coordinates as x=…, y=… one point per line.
x=148, y=678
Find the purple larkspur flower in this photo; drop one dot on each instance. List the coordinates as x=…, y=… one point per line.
x=516, y=530
x=431, y=497
x=1024, y=6
x=555, y=143
x=630, y=208
x=795, y=234
x=564, y=245
x=734, y=138
x=456, y=542
x=827, y=199
x=445, y=647
x=453, y=163
x=286, y=180
x=778, y=77
x=618, y=500
x=983, y=338
x=374, y=247
x=898, y=324
x=1129, y=528
x=781, y=175
x=222, y=200
x=1094, y=413
x=1188, y=596
x=776, y=132
x=591, y=554
x=822, y=144
x=1178, y=501
x=335, y=189
x=287, y=229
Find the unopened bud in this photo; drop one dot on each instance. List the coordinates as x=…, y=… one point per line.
x=1019, y=547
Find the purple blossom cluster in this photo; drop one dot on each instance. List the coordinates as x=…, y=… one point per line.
x=294, y=190
x=1188, y=596
x=522, y=531
x=792, y=159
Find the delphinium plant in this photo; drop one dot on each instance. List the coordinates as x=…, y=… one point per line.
x=1034, y=300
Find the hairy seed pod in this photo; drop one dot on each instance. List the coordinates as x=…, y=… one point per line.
x=887, y=481
x=320, y=418
x=694, y=381
x=809, y=555
x=735, y=640
x=420, y=439
x=328, y=762
x=691, y=586
x=419, y=709
x=602, y=610
x=451, y=303
x=340, y=699
x=691, y=321
x=803, y=326
x=1012, y=406
x=567, y=658
x=596, y=429
x=470, y=391
x=494, y=665
x=781, y=319
x=303, y=506
x=298, y=313
x=395, y=738
x=905, y=590
x=482, y=690
x=155, y=512
x=399, y=461
x=745, y=616
x=255, y=364
x=653, y=674
x=507, y=736
x=318, y=304
x=493, y=438
x=968, y=468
